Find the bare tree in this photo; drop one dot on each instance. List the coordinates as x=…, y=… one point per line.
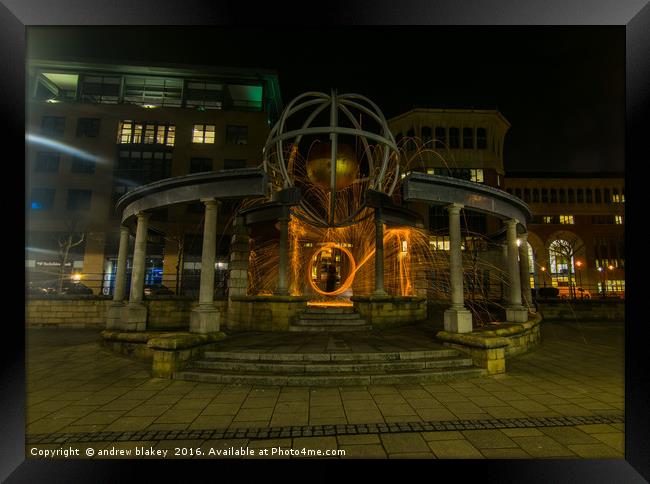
x=72, y=237
x=565, y=248
x=175, y=232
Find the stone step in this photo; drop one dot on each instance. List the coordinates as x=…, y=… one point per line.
x=332, y=326
x=319, y=380
x=330, y=322
x=339, y=356
x=332, y=316
x=330, y=310
x=335, y=367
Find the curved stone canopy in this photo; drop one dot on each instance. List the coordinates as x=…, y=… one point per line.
x=224, y=184
x=443, y=190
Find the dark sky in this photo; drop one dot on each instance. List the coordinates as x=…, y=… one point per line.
x=561, y=88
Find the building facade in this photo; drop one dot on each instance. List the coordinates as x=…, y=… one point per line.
x=95, y=131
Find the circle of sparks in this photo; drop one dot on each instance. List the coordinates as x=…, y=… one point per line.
x=348, y=281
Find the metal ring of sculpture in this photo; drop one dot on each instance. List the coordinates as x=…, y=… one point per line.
x=348, y=281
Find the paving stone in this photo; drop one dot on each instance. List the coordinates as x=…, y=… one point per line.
x=506, y=453
x=488, y=439
x=595, y=451
x=444, y=435
x=403, y=442
x=454, y=449
x=363, y=451
x=543, y=446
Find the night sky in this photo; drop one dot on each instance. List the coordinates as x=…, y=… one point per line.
x=561, y=88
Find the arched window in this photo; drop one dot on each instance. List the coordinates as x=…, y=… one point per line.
x=561, y=262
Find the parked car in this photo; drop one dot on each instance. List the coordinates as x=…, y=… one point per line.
x=34, y=289
x=157, y=290
x=70, y=287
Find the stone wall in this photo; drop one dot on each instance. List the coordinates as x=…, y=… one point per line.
x=164, y=312
x=582, y=310
x=390, y=311
x=264, y=313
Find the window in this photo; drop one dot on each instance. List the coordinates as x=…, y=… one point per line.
x=548, y=219
x=526, y=195
x=606, y=197
x=580, y=195
x=233, y=164
x=80, y=165
x=562, y=194
x=78, y=200
x=203, y=133
x=588, y=196
x=138, y=165
x=571, y=195
x=441, y=137
x=131, y=132
x=46, y=162
x=468, y=138
x=153, y=91
x=199, y=165
x=553, y=195
x=454, y=138
x=87, y=127
x=204, y=95
x=237, y=135
x=566, y=219
x=99, y=89
x=426, y=134
x=481, y=138
x=618, y=219
x=439, y=243
x=535, y=195
x=602, y=219
x=53, y=126
x=616, y=198
x=42, y=198
x=544, y=195
x=476, y=175
x=597, y=196
x=518, y=192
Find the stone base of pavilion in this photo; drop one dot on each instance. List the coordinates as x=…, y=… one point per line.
x=264, y=313
x=386, y=311
x=168, y=351
x=489, y=346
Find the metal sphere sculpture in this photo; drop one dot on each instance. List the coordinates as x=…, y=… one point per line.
x=329, y=165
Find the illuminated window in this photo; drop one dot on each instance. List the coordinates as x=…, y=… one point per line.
x=548, y=219
x=130, y=132
x=237, y=135
x=476, y=175
x=203, y=133
x=468, y=138
x=439, y=243
x=481, y=138
x=618, y=219
x=616, y=197
x=566, y=219
x=431, y=171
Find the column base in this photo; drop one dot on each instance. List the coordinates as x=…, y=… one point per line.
x=517, y=314
x=114, y=315
x=134, y=317
x=458, y=320
x=205, y=320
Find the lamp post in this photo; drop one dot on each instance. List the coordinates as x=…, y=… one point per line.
x=580, y=288
x=611, y=268
x=543, y=269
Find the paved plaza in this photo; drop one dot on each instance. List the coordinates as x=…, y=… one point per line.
x=564, y=399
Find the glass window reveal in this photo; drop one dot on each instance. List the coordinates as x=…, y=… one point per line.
x=153, y=91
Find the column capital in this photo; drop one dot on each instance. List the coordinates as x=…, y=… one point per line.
x=523, y=237
x=208, y=202
x=124, y=228
x=454, y=207
x=143, y=215
x=511, y=222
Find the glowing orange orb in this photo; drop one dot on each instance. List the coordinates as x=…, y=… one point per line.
x=319, y=164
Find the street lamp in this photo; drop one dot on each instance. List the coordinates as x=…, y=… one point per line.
x=600, y=269
x=580, y=288
x=543, y=269
x=611, y=268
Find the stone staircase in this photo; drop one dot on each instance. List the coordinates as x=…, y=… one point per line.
x=330, y=318
x=330, y=368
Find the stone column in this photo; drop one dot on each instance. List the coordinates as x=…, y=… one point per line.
x=205, y=318
x=135, y=313
x=524, y=272
x=515, y=312
x=379, y=254
x=457, y=318
x=283, y=287
x=238, y=272
x=114, y=314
